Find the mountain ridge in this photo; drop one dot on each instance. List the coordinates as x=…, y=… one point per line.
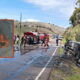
x=40, y=26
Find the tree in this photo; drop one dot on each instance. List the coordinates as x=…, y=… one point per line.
x=78, y=3
x=73, y=18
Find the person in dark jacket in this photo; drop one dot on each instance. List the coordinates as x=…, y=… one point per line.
x=57, y=40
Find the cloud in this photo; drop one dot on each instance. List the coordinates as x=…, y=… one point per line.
x=46, y=4
x=64, y=7
x=67, y=11
x=31, y=20
x=68, y=8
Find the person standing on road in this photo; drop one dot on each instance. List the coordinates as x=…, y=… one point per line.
x=14, y=39
x=46, y=42
x=57, y=40
x=17, y=39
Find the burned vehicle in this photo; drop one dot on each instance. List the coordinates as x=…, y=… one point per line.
x=73, y=49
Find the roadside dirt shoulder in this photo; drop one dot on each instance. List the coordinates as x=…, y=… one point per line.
x=64, y=69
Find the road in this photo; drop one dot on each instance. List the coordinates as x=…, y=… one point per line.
x=34, y=65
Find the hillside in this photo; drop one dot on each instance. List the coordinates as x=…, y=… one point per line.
x=39, y=26
x=73, y=33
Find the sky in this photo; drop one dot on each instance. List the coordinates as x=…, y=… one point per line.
x=55, y=12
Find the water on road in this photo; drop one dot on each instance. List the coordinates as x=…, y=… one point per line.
x=30, y=66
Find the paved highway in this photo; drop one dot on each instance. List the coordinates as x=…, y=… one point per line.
x=34, y=65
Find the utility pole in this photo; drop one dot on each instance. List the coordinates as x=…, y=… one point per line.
x=20, y=21
x=49, y=19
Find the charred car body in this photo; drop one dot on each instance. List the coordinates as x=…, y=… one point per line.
x=73, y=48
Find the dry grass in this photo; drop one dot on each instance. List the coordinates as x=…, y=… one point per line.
x=65, y=70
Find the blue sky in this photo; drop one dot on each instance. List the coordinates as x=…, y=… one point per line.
x=54, y=11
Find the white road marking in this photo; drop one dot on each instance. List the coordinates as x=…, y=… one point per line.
x=38, y=76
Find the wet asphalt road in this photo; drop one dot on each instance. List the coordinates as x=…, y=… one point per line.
x=28, y=66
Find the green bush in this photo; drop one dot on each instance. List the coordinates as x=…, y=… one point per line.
x=77, y=37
